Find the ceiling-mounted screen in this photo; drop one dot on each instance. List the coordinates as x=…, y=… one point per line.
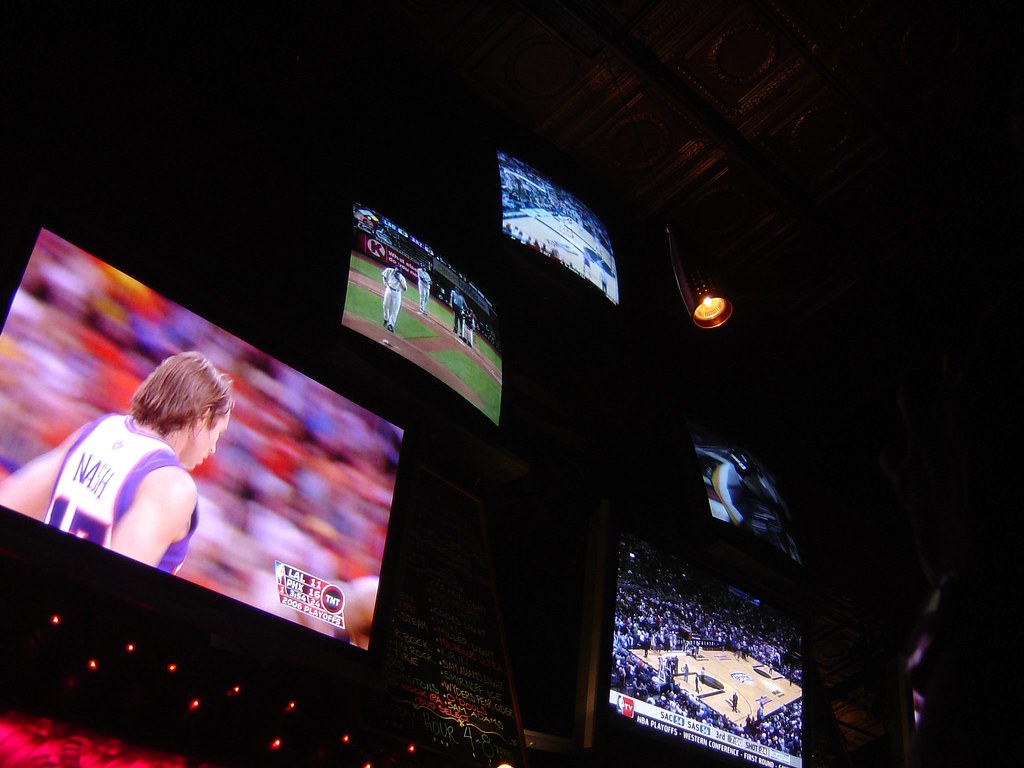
x=546, y=217
x=278, y=494
x=701, y=666
x=424, y=307
x=741, y=492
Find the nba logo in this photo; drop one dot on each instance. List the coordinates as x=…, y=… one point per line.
x=625, y=706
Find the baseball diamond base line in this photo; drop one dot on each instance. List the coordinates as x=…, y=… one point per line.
x=419, y=351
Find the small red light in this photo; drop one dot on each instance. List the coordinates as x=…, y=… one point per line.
x=275, y=744
x=130, y=648
x=93, y=664
x=291, y=706
x=234, y=690
x=345, y=739
x=194, y=704
x=411, y=748
x=55, y=619
x=172, y=667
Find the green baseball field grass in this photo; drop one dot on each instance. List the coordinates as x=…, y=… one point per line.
x=411, y=327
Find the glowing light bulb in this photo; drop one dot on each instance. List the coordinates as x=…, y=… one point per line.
x=712, y=311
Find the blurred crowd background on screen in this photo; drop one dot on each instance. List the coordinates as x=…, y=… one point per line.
x=303, y=475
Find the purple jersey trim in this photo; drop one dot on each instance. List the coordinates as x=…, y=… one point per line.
x=173, y=558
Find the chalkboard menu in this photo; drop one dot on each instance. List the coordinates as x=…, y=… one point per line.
x=447, y=683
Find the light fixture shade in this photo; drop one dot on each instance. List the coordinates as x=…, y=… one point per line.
x=706, y=307
x=710, y=308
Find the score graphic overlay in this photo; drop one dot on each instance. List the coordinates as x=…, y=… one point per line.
x=305, y=593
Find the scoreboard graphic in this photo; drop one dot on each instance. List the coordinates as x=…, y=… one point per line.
x=305, y=593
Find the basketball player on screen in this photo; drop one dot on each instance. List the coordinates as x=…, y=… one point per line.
x=123, y=480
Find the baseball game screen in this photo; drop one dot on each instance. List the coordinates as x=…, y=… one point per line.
x=698, y=664
x=294, y=497
x=547, y=218
x=741, y=492
x=403, y=295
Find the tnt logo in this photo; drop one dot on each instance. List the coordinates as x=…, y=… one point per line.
x=332, y=599
x=625, y=706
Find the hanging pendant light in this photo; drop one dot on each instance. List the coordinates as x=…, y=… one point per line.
x=705, y=305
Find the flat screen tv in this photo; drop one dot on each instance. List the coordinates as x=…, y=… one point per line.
x=546, y=217
x=292, y=508
x=700, y=666
x=742, y=492
x=423, y=307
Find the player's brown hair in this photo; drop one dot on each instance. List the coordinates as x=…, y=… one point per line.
x=182, y=389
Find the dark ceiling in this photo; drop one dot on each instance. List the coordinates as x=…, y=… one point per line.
x=845, y=171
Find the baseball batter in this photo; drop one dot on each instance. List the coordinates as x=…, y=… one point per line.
x=394, y=284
